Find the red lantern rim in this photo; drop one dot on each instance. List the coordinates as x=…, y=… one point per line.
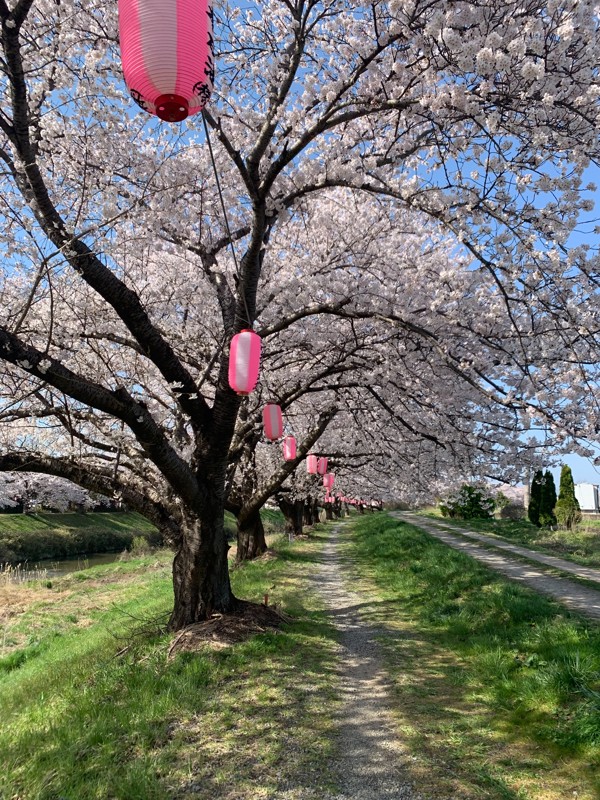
x=172, y=107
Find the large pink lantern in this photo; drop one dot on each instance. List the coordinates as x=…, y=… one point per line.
x=244, y=361
x=322, y=466
x=272, y=421
x=289, y=448
x=328, y=480
x=311, y=465
x=167, y=55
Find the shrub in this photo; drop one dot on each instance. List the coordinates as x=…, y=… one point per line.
x=501, y=502
x=470, y=502
x=514, y=511
x=140, y=546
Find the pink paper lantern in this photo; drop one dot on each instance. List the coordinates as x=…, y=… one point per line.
x=311, y=465
x=167, y=55
x=322, y=466
x=329, y=480
x=289, y=448
x=272, y=421
x=244, y=361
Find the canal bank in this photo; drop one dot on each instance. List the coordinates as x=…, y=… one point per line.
x=33, y=538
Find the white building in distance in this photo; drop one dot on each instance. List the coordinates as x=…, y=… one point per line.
x=587, y=497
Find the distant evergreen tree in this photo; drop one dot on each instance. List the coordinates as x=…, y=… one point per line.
x=535, y=498
x=548, y=500
x=567, y=508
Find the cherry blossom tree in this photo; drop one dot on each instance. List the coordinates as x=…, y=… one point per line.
x=120, y=294
x=418, y=397
x=29, y=490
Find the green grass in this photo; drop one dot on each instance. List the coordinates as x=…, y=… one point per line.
x=273, y=520
x=581, y=545
x=84, y=718
x=116, y=521
x=496, y=681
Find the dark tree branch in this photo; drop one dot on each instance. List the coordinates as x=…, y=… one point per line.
x=117, y=403
x=94, y=479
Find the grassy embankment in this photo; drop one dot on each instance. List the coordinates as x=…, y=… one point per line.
x=92, y=708
x=498, y=689
x=32, y=537
x=580, y=545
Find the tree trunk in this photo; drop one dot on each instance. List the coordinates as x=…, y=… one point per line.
x=298, y=517
x=308, y=513
x=293, y=513
x=200, y=570
x=315, y=511
x=250, y=537
x=328, y=511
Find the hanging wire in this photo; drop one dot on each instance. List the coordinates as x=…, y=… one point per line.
x=227, y=228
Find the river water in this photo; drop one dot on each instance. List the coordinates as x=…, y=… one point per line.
x=52, y=568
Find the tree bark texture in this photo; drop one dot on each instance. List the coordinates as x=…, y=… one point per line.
x=251, y=540
x=293, y=513
x=200, y=570
x=316, y=512
x=308, y=513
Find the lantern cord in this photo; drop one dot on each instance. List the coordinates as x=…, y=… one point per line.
x=227, y=228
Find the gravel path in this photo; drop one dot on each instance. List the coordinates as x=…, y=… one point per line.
x=573, y=595
x=371, y=764
x=588, y=573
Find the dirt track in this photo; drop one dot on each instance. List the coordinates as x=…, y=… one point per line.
x=579, y=598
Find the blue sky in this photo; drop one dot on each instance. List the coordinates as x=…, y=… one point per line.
x=583, y=470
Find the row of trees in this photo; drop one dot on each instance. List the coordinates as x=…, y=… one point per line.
x=23, y=492
x=402, y=181
x=545, y=508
